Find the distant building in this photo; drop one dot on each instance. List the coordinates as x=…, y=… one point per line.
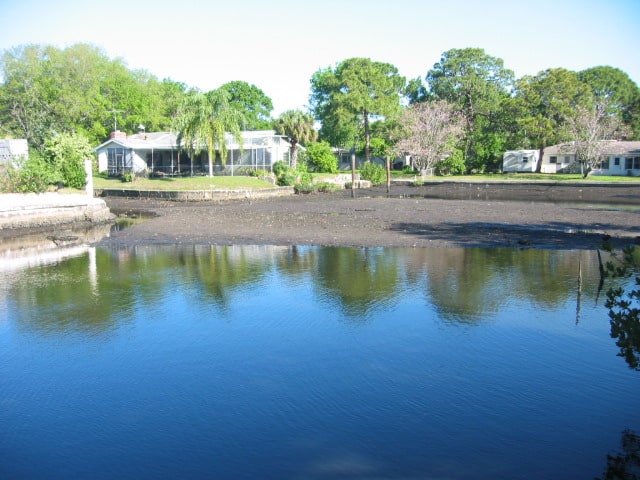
x=13, y=149
x=618, y=158
x=520, y=161
x=159, y=153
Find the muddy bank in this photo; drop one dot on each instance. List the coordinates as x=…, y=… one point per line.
x=409, y=217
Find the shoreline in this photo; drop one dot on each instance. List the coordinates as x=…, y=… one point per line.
x=432, y=216
x=409, y=217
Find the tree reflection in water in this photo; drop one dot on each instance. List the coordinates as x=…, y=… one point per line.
x=624, y=465
x=624, y=305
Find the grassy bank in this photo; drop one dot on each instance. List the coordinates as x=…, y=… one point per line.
x=182, y=183
x=244, y=182
x=527, y=177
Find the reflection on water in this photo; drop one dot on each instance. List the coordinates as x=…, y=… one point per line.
x=309, y=362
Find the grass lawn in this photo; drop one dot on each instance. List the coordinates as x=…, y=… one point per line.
x=525, y=177
x=182, y=183
x=240, y=182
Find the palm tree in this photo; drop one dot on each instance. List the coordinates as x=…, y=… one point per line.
x=298, y=126
x=204, y=119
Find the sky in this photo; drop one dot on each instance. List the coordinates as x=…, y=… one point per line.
x=277, y=45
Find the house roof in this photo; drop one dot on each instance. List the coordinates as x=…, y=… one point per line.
x=169, y=140
x=613, y=147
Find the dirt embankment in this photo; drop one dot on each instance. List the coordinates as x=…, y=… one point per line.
x=432, y=215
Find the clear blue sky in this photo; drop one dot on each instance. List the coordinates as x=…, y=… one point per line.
x=278, y=44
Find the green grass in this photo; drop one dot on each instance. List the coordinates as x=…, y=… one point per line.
x=526, y=177
x=182, y=183
x=244, y=182
x=545, y=177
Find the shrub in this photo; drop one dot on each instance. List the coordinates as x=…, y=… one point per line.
x=128, y=177
x=306, y=177
x=287, y=178
x=65, y=153
x=453, y=165
x=320, y=157
x=373, y=172
x=279, y=168
x=328, y=187
x=30, y=176
x=303, y=188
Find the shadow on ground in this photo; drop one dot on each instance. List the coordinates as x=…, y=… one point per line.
x=550, y=235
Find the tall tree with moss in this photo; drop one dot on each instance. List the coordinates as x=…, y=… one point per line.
x=298, y=127
x=203, y=121
x=477, y=84
x=347, y=98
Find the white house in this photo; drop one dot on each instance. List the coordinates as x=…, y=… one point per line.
x=520, y=161
x=618, y=158
x=13, y=149
x=159, y=153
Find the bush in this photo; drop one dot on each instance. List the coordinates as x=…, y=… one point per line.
x=453, y=165
x=303, y=188
x=373, y=172
x=30, y=176
x=279, y=168
x=306, y=177
x=328, y=187
x=320, y=157
x=65, y=153
x=128, y=177
x=287, y=178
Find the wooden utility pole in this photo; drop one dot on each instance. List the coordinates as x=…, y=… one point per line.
x=353, y=175
x=388, y=174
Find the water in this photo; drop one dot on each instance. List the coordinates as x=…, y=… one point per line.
x=309, y=363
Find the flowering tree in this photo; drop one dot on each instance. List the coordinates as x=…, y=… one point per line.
x=588, y=128
x=431, y=130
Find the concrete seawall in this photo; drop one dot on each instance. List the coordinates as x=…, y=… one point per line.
x=197, y=195
x=19, y=211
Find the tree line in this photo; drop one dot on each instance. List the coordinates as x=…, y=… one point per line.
x=461, y=117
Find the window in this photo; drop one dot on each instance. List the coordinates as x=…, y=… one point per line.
x=604, y=165
x=553, y=159
x=567, y=159
x=616, y=161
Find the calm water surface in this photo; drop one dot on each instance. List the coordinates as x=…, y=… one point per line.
x=309, y=363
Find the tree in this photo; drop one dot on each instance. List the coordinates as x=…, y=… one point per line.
x=620, y=92
x=431, y=131
x=351, y=95
x=476, y=83
x=257, y=107
x=298, y=127
x=48, y=91
x=543, y=102
x=205, y=119
x=588, y=128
